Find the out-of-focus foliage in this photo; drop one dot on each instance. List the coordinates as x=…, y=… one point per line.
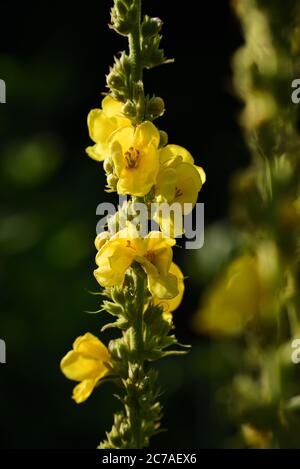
x=257, y=296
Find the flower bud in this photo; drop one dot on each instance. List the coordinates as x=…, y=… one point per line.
x=115, y=80
x=151, y=26
x=108, y=166
x=155, y=108
x=163, y=138
x=121, y=8
x=117, y=295
x=122, y=17
x=112, y=181
x=129, y=109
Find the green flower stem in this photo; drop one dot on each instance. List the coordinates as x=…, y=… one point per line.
x=138, y=351
x=135, y=46
x=138, y=323
x=137, y=76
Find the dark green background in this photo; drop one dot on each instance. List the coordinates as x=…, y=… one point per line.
x=54, y=59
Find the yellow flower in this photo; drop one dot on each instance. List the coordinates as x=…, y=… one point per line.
x=256, y=438
x=244, y=295
x=171, y=305
x=153, y=252
x=134, y=152
x=178, y=181
x=233, y=301
x=102, y=123
x=85, y=363
x=156, y=258
x=185, y=179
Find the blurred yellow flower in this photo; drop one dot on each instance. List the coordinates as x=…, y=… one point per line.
x=255, y=438
x=245, y=293
x=233, y=300
x=171, y=305
x=153, y=252
x=102, y=123
x=134, y=152
x=178, y=181
x=85, y=363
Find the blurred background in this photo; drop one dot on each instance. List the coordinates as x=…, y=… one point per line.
x=54, y=60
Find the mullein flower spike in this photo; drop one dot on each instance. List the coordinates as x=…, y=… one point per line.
x=142, y=286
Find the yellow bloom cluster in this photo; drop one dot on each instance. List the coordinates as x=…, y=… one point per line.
x=153, y=253
x=137, y=165
x=133, y=155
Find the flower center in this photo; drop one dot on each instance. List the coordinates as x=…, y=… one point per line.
x=178, y=192
x=132, y=156
x=150, y=256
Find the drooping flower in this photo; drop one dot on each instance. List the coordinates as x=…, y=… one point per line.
x=172, y=304
x=134, y=153
x=85, y=363
x=154, y=253
x=102, y=123
x=178, y=182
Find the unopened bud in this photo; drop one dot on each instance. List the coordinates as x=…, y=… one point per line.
x=156, y=107
x=112, y=181
x=151, y=26
x=121, y=9
x=107, y=166
x=129, y=109
x=163, y=138
x=115, y=80
x=122, y=18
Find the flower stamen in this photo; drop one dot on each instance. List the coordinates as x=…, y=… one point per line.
x=132, y=156
x=150, y=256
x=178, y=192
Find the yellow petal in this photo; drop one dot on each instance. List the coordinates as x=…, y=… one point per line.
x=113, y=260
x=112, y=107
x=83, y=390
x=164, y=287
x=90, y=346
x=137, y=181
x=146, y=134
x=234, y=300
x=156, y=240
x=170, y=224
x=149, y=268
x=172, y=153
x=101, y=239
x=202, y=173
x=117, y=156
x=100, y=126
x=166, y=184
x=188, y=185
x=124, y=136
x=96, y=152
x=78, y=367
x=171, y=305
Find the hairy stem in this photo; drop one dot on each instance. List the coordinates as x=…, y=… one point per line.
x=139, y=358
x=138, y=323
x=135, y=46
